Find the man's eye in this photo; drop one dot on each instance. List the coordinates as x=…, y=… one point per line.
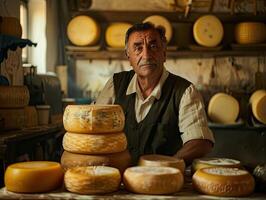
x=138, y=48
x=153, y=46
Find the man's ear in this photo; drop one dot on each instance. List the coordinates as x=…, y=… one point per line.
x=126, y=53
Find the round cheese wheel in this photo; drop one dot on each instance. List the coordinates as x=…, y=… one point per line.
x=94, y=118
x=158, y=20
x=153, y=180
x=225, y=182
x=33, y=176
x=208, y=31
x=83, y=30
x=95, y=143
x=214, y=162
x=121, y=160
x=115, y=34
x=223, y=108
x=258, y=105
x=162, y=161
x=92, y=180
x=10, y=26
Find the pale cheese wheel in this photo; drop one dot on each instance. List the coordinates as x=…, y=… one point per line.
x=94, y=118
x=223, y=108
x=258, y=105
x=120, y=160
x=214, y=162
x=12, y=118
x=208, y=31
x=95, y=143
x=92, y=180
x=223, y=182
x=158, y=20
x=83, y=30
x=33, y=176
x=162, y=161
x=115, y=34
x=153, y=180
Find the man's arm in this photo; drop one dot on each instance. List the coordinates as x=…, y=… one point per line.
x=107, y=95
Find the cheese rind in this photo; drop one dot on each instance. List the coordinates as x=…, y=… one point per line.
x=93, y=118
x=223, y=182
x=92, y=180
x=258, y=105
x=33, y=176
x=153, y=180
x=95, y=143
x=157, y=160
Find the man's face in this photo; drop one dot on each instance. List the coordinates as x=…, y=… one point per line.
x=146, y=52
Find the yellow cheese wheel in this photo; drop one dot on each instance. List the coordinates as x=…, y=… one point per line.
x=250, y=32
x=223, y=182
x=12, y=118
x=10, y=26
x=92, y=180
x=223, y=108
x=95, y=143
x=115, y=34
x=94, y=118
x=158, y=20
x=214, y=162
x=153, y=180
x=162, y=161
x=258, y=105
x=121, y=160
x=33, y=176
x=208, y=31
x=83, y=30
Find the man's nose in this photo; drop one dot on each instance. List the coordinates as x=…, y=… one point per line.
x=146, y=53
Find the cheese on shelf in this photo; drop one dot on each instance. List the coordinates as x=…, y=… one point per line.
x=95, y=143
x=162, y=161
x=13, y=118
x=83, y=30
x=158, y=20
x=33, y=176
x=223, y=108
x=208, y=31
x=258, y=105
x=225, y=182
x=115, y=34
x=94, y=118
x=153, y=180
x=92, y=180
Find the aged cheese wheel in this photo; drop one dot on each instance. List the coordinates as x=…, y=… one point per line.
x=225, y=182
x=153, y=180
x=121, y=160
x=162, y=161
x=115, y=34
x=95, y=143
x=33, y=176
x=10, y=26
x=94, y=118
x=83, y=30
x=14, y=96
x=258, y=105
x=223, y=108
x=214, y=162
x=158, y=20
x=92, y=180
x=250, y=32
x=12, y=118
x=208, y=31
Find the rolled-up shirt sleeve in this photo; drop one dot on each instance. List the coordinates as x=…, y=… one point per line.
x=193, y=122
x=107, y=95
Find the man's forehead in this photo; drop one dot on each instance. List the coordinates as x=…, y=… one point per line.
x=146, y=34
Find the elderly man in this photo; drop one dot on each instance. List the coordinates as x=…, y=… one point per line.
x=164, y=112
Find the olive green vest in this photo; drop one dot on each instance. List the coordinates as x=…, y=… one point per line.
x=158, y=132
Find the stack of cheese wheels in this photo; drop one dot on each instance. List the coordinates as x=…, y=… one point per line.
x=83, y=30
x=115, y=34
x=158, y=20
x=162, y=161
x=153, y=180
x=94, y=137
x=220, y=181
x=33, y=176
x=208, y=31
x=223, y=108
x=214, y=162
x=13, y=100
x=258, y=105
